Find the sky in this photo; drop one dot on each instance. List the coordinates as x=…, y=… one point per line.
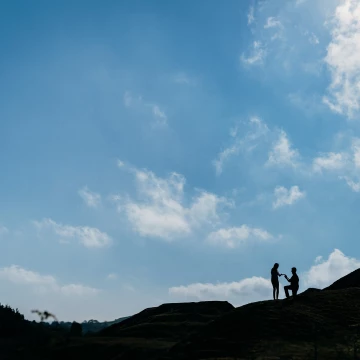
x=156, y=152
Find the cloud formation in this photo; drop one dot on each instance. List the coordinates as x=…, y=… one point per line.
x=345, y=164
x=161, y=209
x=235, y=236
x=330, y=161
x=256, y=129
x=43, y=283
x=87, y=236
x=282, y=152
x=90, y=198
x=257, y=55
x=250, y=15
x=324, y=272
x=285, y=196
x=343, y=60
x=272, y=22
x=250, y=289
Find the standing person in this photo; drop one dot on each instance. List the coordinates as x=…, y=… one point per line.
x=275, y=280
x=294, y=283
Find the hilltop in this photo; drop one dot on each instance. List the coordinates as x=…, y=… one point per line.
x=169, y=321
x=323, y=322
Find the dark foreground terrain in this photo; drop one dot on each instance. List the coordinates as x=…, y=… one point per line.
x=318, y=324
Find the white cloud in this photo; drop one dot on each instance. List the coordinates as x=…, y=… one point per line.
x=354, y=186
x=90, y=198
x=257, y=129
x=120, y=164
x=159, y=115
x=271, y=22
x=154, y=221
x=78, y=289
x=330, y=161
x=250, y=15
x=343, y=60
x=345, y=164
x=235, y=236
x=224, y=155
x=246, y=290
x=43, y=283
x=282, y=153
x=257, y=55
x=325, y=272
x=356, y=152
x=161, y=210
x=285, y=196
x=275, y=25
x=87, y=236
x=3, y=230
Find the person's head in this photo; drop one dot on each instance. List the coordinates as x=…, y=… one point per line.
x=276, y=265
x=293, y=270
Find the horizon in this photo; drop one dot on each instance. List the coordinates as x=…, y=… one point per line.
x=173, y=152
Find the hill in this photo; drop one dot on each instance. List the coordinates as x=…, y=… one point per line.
x=275, y=328
x=169, y=321
x=317, y=324
x=146, y=335
x=351, y=280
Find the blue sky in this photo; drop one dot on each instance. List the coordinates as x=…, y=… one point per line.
x=158, y=151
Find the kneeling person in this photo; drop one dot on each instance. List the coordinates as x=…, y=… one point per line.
x=294, y=283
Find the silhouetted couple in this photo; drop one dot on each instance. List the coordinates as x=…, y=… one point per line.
x=294, y=282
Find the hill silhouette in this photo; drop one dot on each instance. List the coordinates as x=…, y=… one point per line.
x=317, y=324
x=276, y=328
x=169, y=321
x=351, y=280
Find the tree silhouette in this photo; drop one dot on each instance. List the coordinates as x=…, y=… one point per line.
x=76, y=329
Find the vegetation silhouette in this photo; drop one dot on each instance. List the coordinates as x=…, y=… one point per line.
x=76, y=329
x=44, y=315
